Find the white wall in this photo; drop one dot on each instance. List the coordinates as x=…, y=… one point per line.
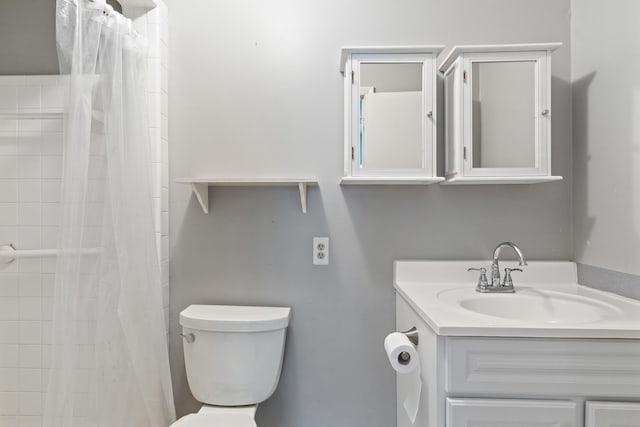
x=256, y=90
x=606, y=127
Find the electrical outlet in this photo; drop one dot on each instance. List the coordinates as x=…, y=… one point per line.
x=320, y=251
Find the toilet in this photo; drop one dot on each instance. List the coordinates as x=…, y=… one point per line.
x=233, y=358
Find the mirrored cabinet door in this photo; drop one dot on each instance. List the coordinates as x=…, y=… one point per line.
x=390, y=118
x=498, y=114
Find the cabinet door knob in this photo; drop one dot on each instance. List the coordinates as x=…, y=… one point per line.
x=545, y=112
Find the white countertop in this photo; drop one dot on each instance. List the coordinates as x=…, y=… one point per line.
x=434, y=290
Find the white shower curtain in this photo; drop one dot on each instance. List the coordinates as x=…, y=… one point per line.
x=110, y=365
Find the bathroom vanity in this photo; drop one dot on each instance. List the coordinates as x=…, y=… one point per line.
x=554, y=353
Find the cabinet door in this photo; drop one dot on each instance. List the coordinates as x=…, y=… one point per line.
x=613, y=414
x=510, y=413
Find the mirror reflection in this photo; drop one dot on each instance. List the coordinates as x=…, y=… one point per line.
x=390, y=115
x=504, y=121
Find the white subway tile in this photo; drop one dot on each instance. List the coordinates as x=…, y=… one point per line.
x=29, y=167
x=30, y=403
x=8, y=420
x=8, y=189
x=9, y=332
x=51, y=189
x=28, y=97
x=29, y=237
x=9, y=285
x=29, y=126
x=52, y=98
x=30, y=284
x=30, y=379
x=8, y=213
x=31, y=356
x=9, y=308
x=52, y=144
x=8, y=99
x=8, y=167
x=9, y=356
x=30, y=308
x=29, y=190
x=30, y=214
x=8, y=143
x=30, y=332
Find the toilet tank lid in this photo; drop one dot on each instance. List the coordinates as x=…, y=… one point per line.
x=232, y=318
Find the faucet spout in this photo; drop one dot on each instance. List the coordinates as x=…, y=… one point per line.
x=495, y=267
x=518, y=251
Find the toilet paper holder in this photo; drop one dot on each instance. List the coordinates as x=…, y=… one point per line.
x=412, y=335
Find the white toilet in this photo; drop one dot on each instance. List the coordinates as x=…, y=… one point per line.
x=233, y=358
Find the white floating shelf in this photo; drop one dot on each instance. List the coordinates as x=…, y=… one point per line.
x=499, y=180
x=200, y=186
x=376, y=180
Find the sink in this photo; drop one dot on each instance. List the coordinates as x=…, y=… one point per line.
x=532, y=305
x=548, y=302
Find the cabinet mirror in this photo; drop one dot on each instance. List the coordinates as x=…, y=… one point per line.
x=390, y=127
x=497, y=114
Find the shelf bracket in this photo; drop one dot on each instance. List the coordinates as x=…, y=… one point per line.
x=201, y=191
x=302, y=187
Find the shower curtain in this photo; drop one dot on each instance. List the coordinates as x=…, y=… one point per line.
x=110, y=365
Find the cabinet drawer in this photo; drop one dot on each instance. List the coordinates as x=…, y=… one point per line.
x=510, y=413
x=543, y=367
x=612, y=414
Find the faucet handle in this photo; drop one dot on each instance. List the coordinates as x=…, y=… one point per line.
x=482, y=280
x=508, y=281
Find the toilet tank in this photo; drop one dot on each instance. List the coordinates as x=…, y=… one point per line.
x=233, y=354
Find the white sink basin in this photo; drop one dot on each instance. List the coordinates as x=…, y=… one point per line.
x=539, y=305
x=548, y=302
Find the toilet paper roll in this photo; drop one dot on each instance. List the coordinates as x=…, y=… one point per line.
x=402, y=355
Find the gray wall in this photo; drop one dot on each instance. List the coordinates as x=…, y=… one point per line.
x=606, y=131
x=256, y=91
x=606, y=128
x=28, y=36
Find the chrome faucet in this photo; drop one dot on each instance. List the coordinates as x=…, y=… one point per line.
x=496, y=285
x=495, y=268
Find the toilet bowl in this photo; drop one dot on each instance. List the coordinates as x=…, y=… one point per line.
x=233, y=358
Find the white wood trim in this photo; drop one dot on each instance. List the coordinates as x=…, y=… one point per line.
x=391, y=180
x=457, y=51
x=463, y=180
x=200, y=186
x=346, y=51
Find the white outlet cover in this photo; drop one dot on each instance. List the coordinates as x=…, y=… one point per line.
x=320, y=251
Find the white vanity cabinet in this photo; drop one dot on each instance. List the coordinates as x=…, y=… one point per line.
x=390, y=115
x=498, y=114
x=572, y=360
x=515, y=382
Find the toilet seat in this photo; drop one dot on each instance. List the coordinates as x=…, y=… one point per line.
x=215, y=420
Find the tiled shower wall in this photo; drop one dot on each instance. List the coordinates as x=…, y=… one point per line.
x=30, y=177
x=30, y=172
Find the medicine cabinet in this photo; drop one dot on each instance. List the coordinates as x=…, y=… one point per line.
x=498, y=114
x=390, y=114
